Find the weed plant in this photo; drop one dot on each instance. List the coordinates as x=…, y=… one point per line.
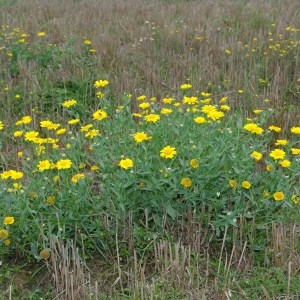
x=120, y=143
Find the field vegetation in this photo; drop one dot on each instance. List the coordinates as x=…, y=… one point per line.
x=149, y=149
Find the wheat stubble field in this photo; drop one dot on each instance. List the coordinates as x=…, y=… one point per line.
x=149, y=149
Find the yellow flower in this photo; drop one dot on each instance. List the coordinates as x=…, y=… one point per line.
x=144, y=105
x=18, y=133
x=225, y=107
x=278, y=196
x=222, y=100
x=50, y=200
x=266, y=194
x=7, y=243
x=86, y=127
x=253, y=128
x=246, y=184
x=285, y=163
x=295, y=130
x=44, y=165
x=73, y=121
x=168, y=152
x=205, y=95
x=274, y=128
x=194, y=163
x=190, y=100
x=295, y=199
x=95, y=168
x=92, y=133
x=269, y=168
x=1, y=125
x=15, y=175
x=200, y=120
x=208, y=108
x=141, y=136
x=215, y=115
x=99, y=95
x=257, y=111
x=9, y=220
x=31, y=136
x=100, y=83
x=45, y=254
x=185, y=86
x=138, y=115
x=61, y=131
x=141, y=97
x=152, y=118
x=99, y=115
x=77, y=177
x=64, y=164
x=41, y=34
x=126, y=163
x=87, y=42
x=295, y=151
x=281, y=142
x=167, y=100
x=166, y=111
x=232, y=183
x=256, y=155
x=3, y=234
x=49, y=125
x=186, y=182
x=69, y=103
x=20, y=154
x=55, y=178
x=277, y=154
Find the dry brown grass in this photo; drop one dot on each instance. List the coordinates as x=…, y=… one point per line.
x=176, y=265
x=151, y=46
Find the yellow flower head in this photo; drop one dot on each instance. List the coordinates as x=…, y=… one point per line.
x=274, y=128
x=167, y=100
x=281, y=142
x=44, y=165
x=186, y=182
x=69, y=103
x=246, y=185
x=194, y=163
x=144, y=105
x=99, y=115
x=141, y=136
x=278, y=196
x=152, y=118
x=285, y=163
x=256, y=155
x=185, y=86
x=126, y=163
x=232, y=183
x=77, y=177
x=8, y=220
x=277, y=154
x=295, y=130
x=295, y=151
x=200, y=120
x=101, y=83
x=73, y=121
x=3, y=234
x=64, y=164
x=168, y=152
